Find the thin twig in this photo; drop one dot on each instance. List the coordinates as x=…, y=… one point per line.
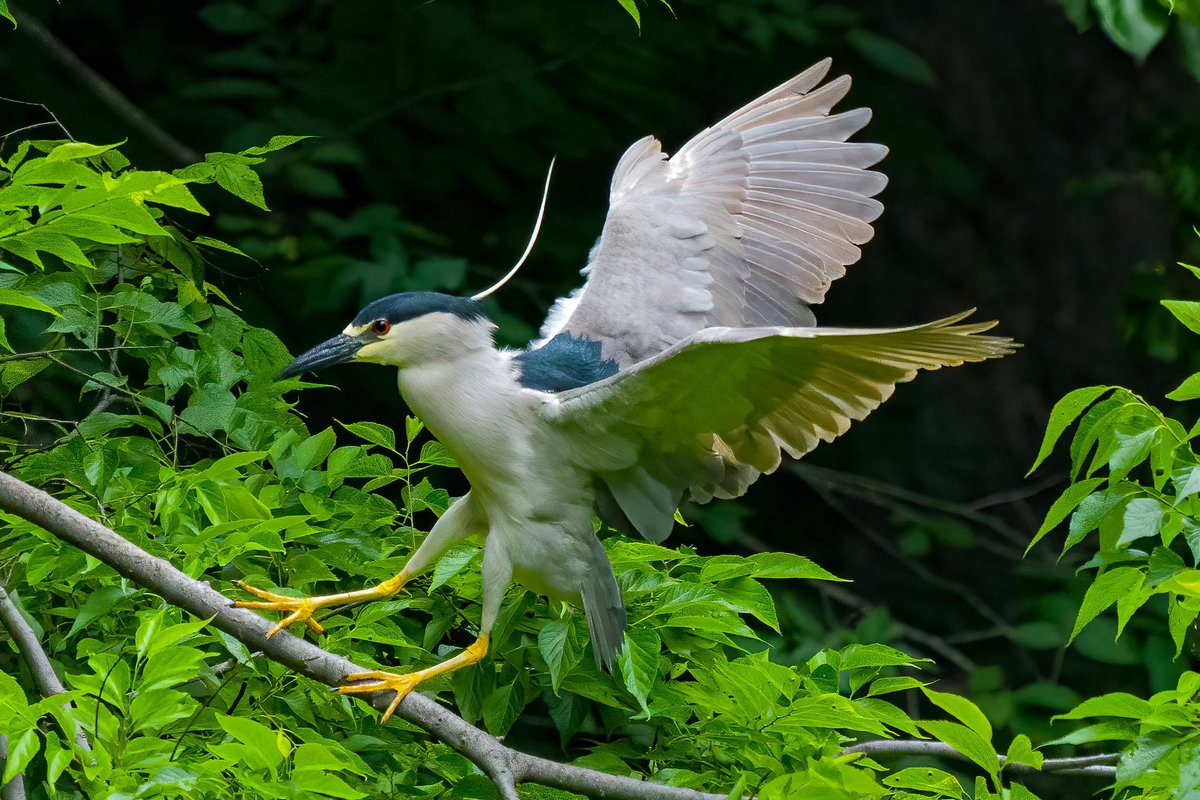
x=104, y=90
x=55, y=351
x=505, y=766
x=1100, y=766
x=922, y=572
x=885, y=494
x=932, y=641
x=36, y=659
x=43, y=107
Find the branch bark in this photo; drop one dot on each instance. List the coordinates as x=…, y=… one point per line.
x=35, y=657
x=1099, y=766
x=103, y=89
x=505, y=766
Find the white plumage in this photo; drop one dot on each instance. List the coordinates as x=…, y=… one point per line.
x=688, y=362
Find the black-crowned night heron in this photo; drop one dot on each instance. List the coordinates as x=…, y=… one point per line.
x=687, y=361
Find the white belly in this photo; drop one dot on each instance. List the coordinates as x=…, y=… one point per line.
x=537, y=505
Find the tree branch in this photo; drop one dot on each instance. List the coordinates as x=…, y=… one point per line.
x=35, y=657
x=1099, y=766
x=105, y=91
x=505, y=766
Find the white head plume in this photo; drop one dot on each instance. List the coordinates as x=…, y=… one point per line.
x=537, y=226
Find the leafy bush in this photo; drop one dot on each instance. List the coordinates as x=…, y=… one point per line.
x=183, y=441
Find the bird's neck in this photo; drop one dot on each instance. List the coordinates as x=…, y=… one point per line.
x=468, y=397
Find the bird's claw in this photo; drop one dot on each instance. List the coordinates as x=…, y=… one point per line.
x=298, y=609
x=379, y=681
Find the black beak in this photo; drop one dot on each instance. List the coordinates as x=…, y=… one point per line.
x=337, y=350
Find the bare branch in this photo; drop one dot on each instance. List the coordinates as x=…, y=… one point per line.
x=104, y=90
x=1099, y=766
x=507, y=767
x=35, y=657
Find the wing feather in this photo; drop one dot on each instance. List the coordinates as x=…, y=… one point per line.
x=714, y=411
x=750, y=221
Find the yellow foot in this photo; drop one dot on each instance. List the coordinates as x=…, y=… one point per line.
x=298, y=609
x=379, y=681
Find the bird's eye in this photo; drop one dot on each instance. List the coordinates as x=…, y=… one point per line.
x=380, y=327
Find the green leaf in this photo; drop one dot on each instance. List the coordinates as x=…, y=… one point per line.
x=1065, y=411
x=1186, y=311
x=437, y=454
x=1116, y=704
x=638, y=660
x=502, y=707
x=315, y=449
x=170, y=666
x=631, y=8
x=763, y=565
x=928, y=780
x=1181, y=613
x=965, y=741
x=264, y=747
x=560, y=649
x=1106, y=590
x=888, y=685
x=963, y=710
x=412, y=428
x=373, y=432
x=1136, y=26
x=11, y=297
x=1075, y=494
x=1094, y=510
x=826, y=711
x=58, y=758
x=100, y=602
x=454, y=562
x=79, y=150
x=243, y=182
x=217, y=244
x=1020, y=751
x=21, y=750
x=856, y=656
x=1141, y=517
x=1188, y=390
x=275, y=143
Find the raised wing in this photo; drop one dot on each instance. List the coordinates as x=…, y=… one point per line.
x=748, y=222
x=712, y=412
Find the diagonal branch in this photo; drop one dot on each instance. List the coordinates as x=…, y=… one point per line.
x=103, y=89
x=505, y=766
x=35, y=657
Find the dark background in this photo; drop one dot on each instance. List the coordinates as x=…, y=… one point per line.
x=1037, y=173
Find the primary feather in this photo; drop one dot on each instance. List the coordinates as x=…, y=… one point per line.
x=747, y=224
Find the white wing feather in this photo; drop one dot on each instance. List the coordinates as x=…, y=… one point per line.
x=749, y=221
x=713, y=412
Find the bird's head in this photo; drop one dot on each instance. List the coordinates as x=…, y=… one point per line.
x=402, y=329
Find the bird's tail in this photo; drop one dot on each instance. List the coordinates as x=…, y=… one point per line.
x=604, y=609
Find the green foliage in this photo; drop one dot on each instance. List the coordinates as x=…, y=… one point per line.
x=184, y=442
x=1139, y=26
x=1135, y=481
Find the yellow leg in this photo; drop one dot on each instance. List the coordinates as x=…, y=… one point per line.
x=300, y=609
x=380, y=681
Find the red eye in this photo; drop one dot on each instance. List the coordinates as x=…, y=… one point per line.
x=380, y=327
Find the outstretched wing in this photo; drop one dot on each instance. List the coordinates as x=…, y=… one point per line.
x=712, y=412
x=748, y=222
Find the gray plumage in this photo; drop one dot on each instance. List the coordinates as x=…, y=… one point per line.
x=688, y=363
